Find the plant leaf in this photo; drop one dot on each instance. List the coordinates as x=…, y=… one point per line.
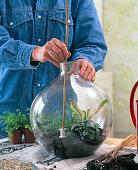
x=104, y=102
x=39, y=126
x=87, y=114
x=76, y=109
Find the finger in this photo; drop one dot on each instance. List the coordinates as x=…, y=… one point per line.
x=87, y=72
x=90, y=72
x=62, y=46
x=92, y=76
x=89, y=77
x=58, y=51
x=48, y=51
x=83, y=67
x=90, y=69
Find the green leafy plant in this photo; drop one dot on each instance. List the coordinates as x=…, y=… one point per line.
x=52, y=122
x=14, y=121
x=84, y=126
x=85, y=115
x=88, y=130
x=25, y=121
x=79, y=122
x=11, y=121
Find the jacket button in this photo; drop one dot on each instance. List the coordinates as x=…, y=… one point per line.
x=39, y=17
x=11, y=23
x=39, y=39
x=69, y=21
x=38, y=85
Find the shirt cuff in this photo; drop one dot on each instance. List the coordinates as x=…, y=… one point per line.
x=26, y=57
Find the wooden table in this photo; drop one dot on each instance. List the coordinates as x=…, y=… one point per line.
x=117, y=141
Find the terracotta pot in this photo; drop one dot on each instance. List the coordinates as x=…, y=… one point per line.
x=29, y=136
x=16, y=136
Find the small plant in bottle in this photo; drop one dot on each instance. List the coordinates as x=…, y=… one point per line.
x=79, y=126
x=83, y=125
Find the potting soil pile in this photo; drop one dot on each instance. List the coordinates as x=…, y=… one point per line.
x=122, y=162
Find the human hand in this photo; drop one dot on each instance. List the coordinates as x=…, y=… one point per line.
x=53, y=51
x=87, y=70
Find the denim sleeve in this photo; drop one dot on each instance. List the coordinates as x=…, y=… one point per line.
x=88, y=41
x=14, y=54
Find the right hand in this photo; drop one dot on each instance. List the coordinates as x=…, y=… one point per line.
x=53, y=51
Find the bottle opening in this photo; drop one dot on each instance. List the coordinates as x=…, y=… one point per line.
x=73, y=67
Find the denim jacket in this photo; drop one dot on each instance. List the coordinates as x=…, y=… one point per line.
x=23, y=26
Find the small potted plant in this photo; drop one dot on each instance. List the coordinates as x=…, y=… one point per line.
x=12, y=125
x=26, y=126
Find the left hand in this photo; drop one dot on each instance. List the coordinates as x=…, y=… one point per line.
x=87, y=70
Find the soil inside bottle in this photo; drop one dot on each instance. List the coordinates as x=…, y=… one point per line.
x=72, y=146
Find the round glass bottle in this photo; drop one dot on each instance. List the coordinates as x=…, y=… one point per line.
x=88, y=115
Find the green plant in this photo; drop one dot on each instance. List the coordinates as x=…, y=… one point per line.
x=52, y=122
x=87, y=129
x=25, y=121
x=84, y=126
x=79, y=122
x=85, y=115
x=11, y=121
x=14, y=121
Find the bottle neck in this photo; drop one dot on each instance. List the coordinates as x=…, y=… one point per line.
x=73, y=67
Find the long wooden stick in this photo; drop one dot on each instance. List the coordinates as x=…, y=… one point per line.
x=123, y=144
x=65, y=75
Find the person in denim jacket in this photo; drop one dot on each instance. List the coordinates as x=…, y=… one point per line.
x=32, y=37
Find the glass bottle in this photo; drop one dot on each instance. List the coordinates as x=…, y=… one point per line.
x=88, y=115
